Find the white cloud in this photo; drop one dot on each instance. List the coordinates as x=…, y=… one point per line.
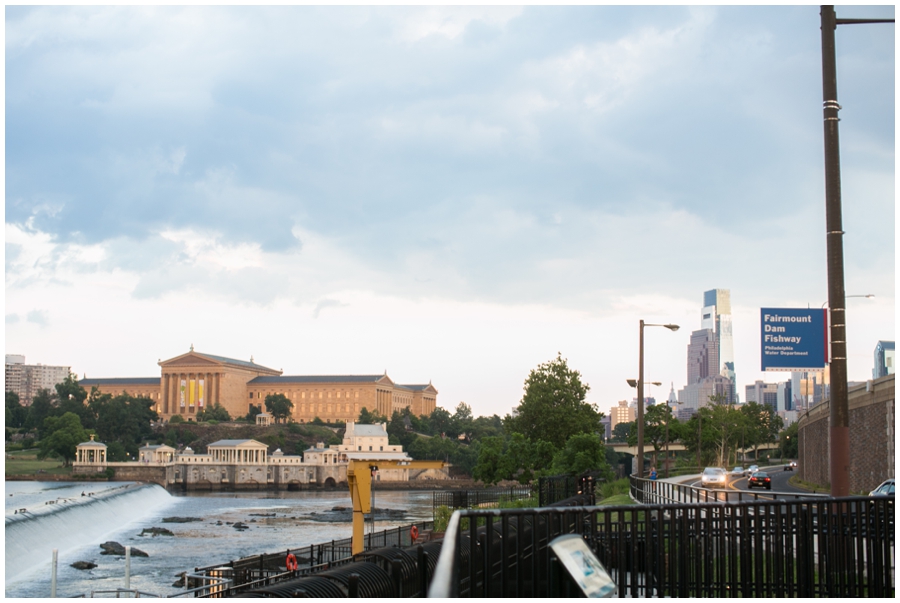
x=451, y=22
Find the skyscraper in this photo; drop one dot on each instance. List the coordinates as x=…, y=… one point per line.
x=716, y=315
x=711, y=354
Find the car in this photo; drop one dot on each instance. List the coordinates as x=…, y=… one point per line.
x=739, y=471
x=886, y=488
x=760, y=480
x=712, y=477
x=751, y=469
x=790, y=466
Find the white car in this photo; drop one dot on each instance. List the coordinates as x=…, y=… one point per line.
x=737, y=471
x=885, y=489
x=751, y=470
x=713, y=476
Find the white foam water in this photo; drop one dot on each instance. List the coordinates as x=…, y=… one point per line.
x=77, y=525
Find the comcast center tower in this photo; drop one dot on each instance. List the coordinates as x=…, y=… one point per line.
x=717, y=317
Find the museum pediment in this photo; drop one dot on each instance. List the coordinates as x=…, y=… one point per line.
x=190, y=359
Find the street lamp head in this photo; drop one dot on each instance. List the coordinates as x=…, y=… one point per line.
x=672, y=327
x=634, y=382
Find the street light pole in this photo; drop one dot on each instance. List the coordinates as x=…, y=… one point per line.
x=640, y=393
x=840, y=413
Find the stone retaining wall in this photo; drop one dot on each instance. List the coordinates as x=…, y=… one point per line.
x=872, y=445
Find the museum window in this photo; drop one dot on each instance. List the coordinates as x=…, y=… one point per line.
x=251, y=395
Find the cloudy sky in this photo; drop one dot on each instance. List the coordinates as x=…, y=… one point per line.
x=447, y=194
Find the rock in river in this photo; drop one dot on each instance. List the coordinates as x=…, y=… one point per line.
x=156, y=532
x=83, y=565
x=114, y=548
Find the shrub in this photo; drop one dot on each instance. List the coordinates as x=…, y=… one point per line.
x=27, y=443
x=442, y=518
x=619, y=486
x=110, y=473
x=176, y=419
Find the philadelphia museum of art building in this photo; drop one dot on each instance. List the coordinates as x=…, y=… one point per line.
x=191, y=382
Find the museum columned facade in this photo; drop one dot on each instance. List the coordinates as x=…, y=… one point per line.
x=194, y=381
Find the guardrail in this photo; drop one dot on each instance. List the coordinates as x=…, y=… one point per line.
x=268, y=569
x=646, y=491
x=774, y=548
x=468, y=499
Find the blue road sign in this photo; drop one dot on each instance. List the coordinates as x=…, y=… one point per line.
x=793, y=339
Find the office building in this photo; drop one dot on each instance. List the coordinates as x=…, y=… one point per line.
x=623, y=413
x=710, y=355
x=763, y=393
x=716, y=315
x=884, y=359
x=26, y=380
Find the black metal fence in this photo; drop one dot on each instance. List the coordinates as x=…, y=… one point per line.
x=471, y=499
x=773, y=548
x=269, y=569
x=556, y=488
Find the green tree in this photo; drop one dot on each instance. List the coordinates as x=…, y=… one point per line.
x=370, y=418
x=489, y=468
x=16, y=414
x=216, y=412
x=441, y=421
x=41, y=408
x=518, y=462
x=279, y=406
x=622, y=431
x=63, y=435
x=461, y=423
x=70, y=397
x=116, y=453
x=655, y=419
x=553, y=407
x=582, y=453
x=790, y=441
x=125, y=419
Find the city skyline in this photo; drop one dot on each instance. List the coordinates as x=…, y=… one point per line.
x=452, y=193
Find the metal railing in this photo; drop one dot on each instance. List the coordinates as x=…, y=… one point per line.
x=268, y=569
x=488, y=497
x=646, y=491
x=775, y=548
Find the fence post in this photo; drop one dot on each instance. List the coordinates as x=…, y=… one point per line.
x=128, y=568
x=53, y=563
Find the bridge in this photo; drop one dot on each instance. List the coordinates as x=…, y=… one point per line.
x=632, y=450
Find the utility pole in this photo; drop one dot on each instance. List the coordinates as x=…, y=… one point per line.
x=840, y=413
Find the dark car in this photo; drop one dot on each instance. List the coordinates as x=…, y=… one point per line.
x=760, y=480
x=790, y=466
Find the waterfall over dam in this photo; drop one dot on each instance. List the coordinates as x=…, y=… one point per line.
x=41, y=517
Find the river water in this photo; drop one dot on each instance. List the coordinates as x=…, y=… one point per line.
x=77, y=517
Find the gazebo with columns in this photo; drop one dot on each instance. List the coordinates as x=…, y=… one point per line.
x=91, y=453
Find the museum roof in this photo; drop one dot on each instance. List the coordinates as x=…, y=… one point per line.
x=317, y=379
x=416, y=388
x=120, y=381
x=235, y=361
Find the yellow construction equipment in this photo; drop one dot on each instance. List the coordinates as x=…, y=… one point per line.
x=359, y=478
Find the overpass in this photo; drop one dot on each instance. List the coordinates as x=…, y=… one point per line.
x=632, y=450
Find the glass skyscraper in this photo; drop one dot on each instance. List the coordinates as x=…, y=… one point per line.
x=717, y=317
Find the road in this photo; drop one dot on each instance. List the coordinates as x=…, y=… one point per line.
x=779, y=477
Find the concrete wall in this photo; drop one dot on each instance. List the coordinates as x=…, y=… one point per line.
x=872, y=445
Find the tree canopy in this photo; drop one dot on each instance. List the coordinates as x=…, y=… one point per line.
x=553, y=407
x=279, y=406
x=63, y=435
